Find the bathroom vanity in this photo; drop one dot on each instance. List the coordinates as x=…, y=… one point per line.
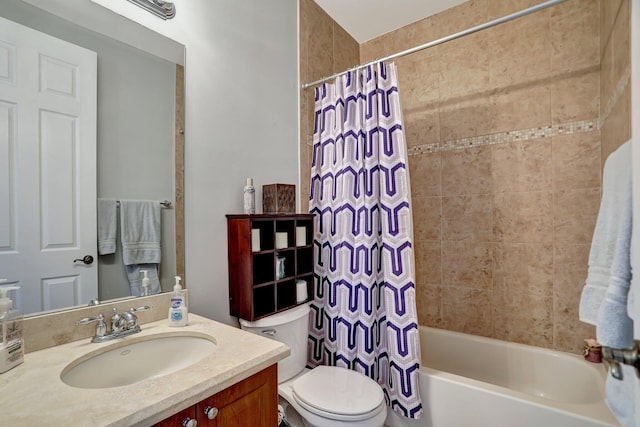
x=238, y=377
x=252, y=402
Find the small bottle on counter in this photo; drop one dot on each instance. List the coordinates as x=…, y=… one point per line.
x=178, y=313
x=12, y=344
x=249, y=197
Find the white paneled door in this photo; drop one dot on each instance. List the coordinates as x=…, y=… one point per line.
x=48, y=101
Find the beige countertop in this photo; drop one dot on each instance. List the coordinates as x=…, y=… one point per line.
x=34, y=395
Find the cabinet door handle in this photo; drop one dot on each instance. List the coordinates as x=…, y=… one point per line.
x=210, y=412
x=189, y=422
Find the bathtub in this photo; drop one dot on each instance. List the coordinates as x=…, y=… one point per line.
x=471, y=381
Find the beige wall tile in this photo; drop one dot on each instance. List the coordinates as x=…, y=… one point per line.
x=524, y=58
x=607, y=83
x=576, y=161
x=466, y=171
x=467, y=218
x=467, y=264
x=464, y=68
x=522, y=107
x=521, y=166
x=523, y=217
x=524, y=268
x=460, y=17
x=424, y=173
x=524, y=318
x=620, y=41
x=319, y=44
x=426, y=217
x=374, y=49
x=574, y=215
x=429, y=305
x=346, y=50
x=464, y=118
x=617, y=128
x=575, y=96
x=421, y=125
x=428, y=262
x=467, y=310
x=576, y=46
x=608, y=12
x=500, y=8
x=418, y=80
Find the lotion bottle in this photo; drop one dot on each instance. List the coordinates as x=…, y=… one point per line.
x=145, y=283
x=249, y=197
x=178, y=314
x=12, y=345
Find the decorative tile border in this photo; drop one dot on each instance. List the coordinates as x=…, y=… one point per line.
x=525, y=134
x=506, y=137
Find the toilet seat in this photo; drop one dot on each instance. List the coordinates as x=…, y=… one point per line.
x=338, y=393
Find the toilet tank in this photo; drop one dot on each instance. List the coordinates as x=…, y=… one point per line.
x=290, y=327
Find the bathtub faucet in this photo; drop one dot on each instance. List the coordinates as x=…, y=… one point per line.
x=613, y=357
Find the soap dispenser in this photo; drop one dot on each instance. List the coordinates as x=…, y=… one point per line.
x=12, y=344
x=145, y=283
x=178, y=313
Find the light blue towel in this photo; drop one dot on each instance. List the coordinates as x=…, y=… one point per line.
x=107, y=225
x=140, y=231
x=604, y=297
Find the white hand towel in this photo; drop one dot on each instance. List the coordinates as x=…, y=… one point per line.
x=140, y=231
x=604, y=297
x=135, y=278
x=107, y=225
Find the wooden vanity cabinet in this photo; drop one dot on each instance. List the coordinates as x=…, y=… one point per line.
x=257, y=245
x=252, y=402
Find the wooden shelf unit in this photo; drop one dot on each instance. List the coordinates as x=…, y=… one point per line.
x=255, y=290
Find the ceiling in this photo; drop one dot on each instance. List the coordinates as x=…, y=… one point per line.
x=367, y=19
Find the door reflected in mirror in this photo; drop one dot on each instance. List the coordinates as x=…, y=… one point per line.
x=130, y=133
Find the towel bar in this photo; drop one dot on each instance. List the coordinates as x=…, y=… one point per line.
x=165, y=204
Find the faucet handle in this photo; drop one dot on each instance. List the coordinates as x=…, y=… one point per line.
x=101, y=327
x=85, y=320
x=142, y=308
x=130, y=317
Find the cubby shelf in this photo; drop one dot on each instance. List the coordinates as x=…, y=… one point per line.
x=257, y=244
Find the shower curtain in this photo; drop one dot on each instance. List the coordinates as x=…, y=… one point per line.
x=363, y=314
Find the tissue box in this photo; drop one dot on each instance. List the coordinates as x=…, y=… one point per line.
x=278, y=198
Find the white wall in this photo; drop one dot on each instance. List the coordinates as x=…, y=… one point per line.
x=241, y=121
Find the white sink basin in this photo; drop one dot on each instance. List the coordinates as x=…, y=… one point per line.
x=133, y=360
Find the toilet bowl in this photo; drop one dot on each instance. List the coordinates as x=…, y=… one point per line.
x=330, y=396
x=326, y=396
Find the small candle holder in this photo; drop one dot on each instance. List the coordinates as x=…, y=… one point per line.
x=592, y=350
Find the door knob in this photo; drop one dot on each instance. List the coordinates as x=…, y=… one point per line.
x=87, y=259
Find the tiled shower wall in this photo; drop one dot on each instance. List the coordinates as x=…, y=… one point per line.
x=325, y=48
x=505, y=157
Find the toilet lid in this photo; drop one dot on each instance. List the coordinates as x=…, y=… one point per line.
x=338, y=391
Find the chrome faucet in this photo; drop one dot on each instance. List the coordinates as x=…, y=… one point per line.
x=122, y=324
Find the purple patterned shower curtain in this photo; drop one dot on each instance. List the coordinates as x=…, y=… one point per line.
x=363, y=315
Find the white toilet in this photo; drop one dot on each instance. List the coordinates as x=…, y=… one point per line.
x=326, y=396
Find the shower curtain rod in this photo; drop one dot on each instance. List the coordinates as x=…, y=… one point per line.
x=468, y=31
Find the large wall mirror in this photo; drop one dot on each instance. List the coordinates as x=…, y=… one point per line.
x=138, y=155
